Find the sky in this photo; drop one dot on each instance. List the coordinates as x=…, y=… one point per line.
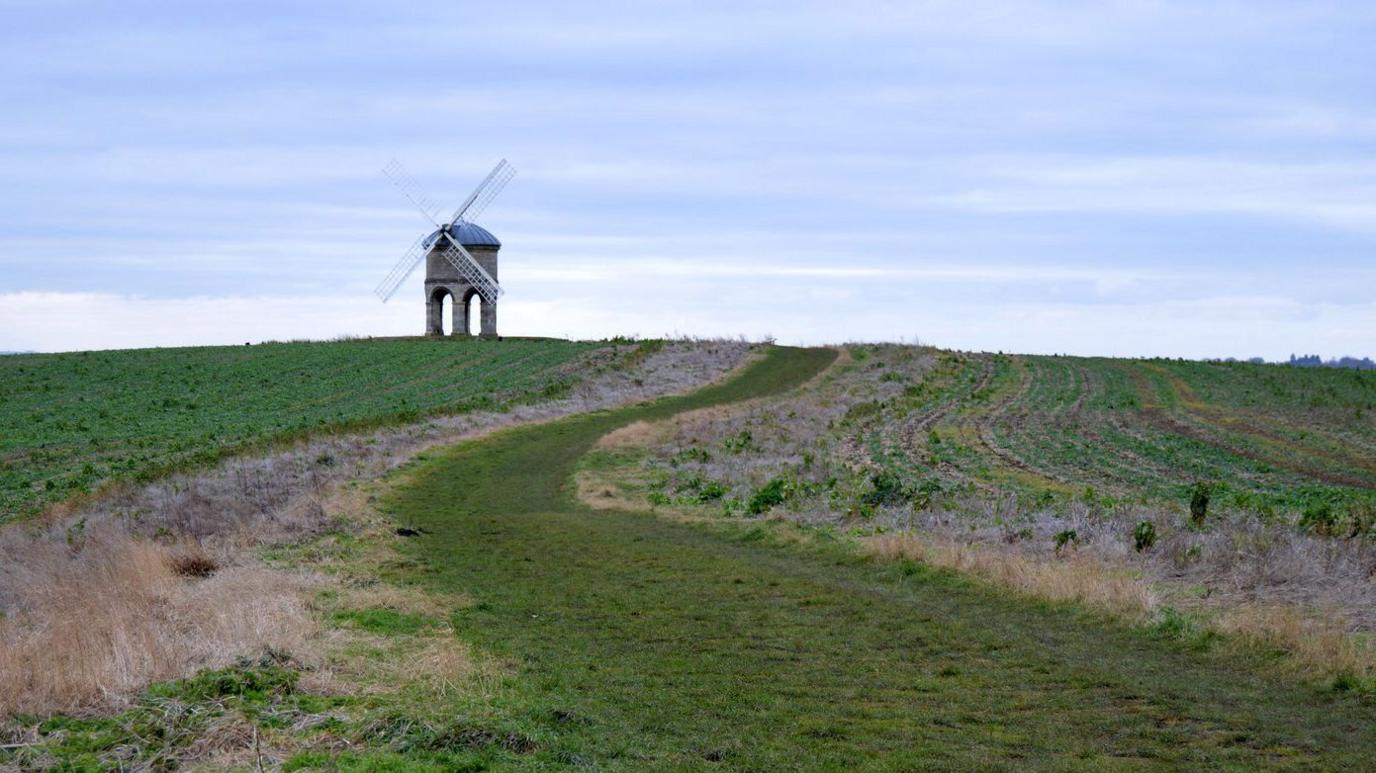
x=1102, y=178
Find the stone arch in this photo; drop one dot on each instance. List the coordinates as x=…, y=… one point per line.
x=474, y=305
x=434, y=310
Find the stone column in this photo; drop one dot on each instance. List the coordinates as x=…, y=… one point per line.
x=460, y=326
x=434, y=313
x=489, y=320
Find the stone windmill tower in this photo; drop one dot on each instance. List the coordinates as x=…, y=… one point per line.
x=460, y=255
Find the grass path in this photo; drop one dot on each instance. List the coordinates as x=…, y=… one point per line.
x=644, y=643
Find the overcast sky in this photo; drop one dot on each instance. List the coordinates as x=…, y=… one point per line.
x=1134, y=178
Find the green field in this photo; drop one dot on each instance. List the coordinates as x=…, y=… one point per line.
x=72, y=421
x=1265, y=438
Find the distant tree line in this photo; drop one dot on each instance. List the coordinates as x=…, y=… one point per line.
x=1314, y=361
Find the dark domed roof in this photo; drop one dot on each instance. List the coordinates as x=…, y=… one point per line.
x=469, y=235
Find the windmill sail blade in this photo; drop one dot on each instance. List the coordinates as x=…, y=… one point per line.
x=471, y=270
x=412, y=190
x=388, y=287
x=486, y=191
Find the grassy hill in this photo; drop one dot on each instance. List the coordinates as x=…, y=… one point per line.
x=1264, y=437
x=779, y=570
x=72, y=421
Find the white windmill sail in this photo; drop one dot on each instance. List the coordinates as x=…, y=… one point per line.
x=471, y=270
x=486, y=191
x=412, y=258
x=464, y=262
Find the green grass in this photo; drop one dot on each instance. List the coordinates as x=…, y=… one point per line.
x=73, y=421
x=388, y=622
x=642, y=643
x=1272, y=439
x=171, y=718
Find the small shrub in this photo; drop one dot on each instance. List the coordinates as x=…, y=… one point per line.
x=1066, y=538
x=1144, y=536
x=658, y=498
x=1091, y=497
x=1346, y=682
x=885, y=488
x=711, y=492
x=743, y=441
x=770, y=495
x=1320, y=518
x=1199, y=503
x=861, y=509
x=693, y=454
x=927, y=491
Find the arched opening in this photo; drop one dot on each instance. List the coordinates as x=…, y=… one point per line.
x=434, y=308
x=447, y=314
x=475, y=314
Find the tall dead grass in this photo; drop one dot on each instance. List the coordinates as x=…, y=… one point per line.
x=1080, y=579
x=118, y=615
x=1317, y=645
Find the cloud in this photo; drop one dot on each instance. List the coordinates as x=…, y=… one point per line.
x=981, y=171
x=1341, y=194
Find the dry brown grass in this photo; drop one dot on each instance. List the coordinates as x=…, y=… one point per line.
x=1079, y=579
x=99, y=623
x=436, y=662
x=604, y=492
x=1317, y=644
x=634, y=435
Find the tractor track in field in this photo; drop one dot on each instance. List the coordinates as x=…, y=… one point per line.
x=987, y=421
x=1155, y=415
x=1229, y=422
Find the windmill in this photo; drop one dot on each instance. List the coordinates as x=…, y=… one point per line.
x=460, y=255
